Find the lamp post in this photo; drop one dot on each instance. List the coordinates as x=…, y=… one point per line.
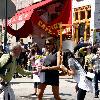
x=5, y=33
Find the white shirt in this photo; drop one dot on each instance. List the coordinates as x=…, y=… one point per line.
x=80, y=76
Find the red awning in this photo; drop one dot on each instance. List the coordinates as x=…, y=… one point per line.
x=26, y=13
x=65, y=17
x=23, y=32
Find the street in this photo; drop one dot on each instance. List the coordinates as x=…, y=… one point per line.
x=23, y=88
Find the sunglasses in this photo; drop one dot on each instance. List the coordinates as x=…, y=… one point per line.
x=48, y=44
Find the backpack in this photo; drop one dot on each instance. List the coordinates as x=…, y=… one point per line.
x=3, y=70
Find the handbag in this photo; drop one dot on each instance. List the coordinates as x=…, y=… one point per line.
x=90, y=76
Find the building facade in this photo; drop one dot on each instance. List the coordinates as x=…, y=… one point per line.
x=86, y=20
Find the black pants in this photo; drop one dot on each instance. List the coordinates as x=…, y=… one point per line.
x=81, y=94
x=96, y=79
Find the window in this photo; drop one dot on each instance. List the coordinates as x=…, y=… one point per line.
x=88, y=31
x=81, y=29
x=76, y=15
x=88, y=14
x=82, y=15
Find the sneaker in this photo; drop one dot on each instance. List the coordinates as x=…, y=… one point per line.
x=34, y=94
x=96, y=96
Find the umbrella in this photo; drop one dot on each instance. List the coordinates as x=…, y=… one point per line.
x=80, y=46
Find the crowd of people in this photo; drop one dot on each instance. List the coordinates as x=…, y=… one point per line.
x=45, y=66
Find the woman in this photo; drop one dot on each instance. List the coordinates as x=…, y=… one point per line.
x=51, y=76
x=74, y=68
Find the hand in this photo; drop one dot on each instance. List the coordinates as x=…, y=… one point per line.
x=39, y=68
x=30, y=75
x=44, y=68
x=63, y=68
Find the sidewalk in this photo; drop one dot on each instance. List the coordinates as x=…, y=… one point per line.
x=23, y=88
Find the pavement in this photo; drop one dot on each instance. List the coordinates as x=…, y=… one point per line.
x=23, y=88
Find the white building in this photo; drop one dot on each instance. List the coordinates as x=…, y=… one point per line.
x=86, y=19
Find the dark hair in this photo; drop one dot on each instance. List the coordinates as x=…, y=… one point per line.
x=66, y=55
x=94, y=50
x=33, y=52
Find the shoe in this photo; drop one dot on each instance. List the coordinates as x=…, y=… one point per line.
x=34, y=94
x=96, y=96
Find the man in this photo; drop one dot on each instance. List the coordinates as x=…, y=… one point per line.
x=89, y=55
x=51, y=76
x=96, y=67
x=12, y=67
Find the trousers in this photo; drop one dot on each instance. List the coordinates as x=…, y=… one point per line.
x=6, y=92
x=81, y=94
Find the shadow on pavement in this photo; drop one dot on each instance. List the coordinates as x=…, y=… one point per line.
x=71, y=81
x=30, y=97
x=62, y=94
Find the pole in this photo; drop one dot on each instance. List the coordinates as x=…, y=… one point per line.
x=60, y=37
x=60, y=49
x=61, y=40
x=5, y=34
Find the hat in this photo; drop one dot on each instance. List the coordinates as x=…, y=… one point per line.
x=49, y=40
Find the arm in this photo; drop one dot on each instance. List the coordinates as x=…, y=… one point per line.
x=22, y=72
x=3, y=60
x=81, y=50
x=50, y=68
x=62, y=73
x=70, y=71
x=54, y=67
x=58, y=58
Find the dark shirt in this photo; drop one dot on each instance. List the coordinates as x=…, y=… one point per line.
x=51, y=76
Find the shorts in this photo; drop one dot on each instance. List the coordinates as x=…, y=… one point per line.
x=36, y=84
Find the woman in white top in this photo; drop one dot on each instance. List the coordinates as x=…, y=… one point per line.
x=74, y=68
